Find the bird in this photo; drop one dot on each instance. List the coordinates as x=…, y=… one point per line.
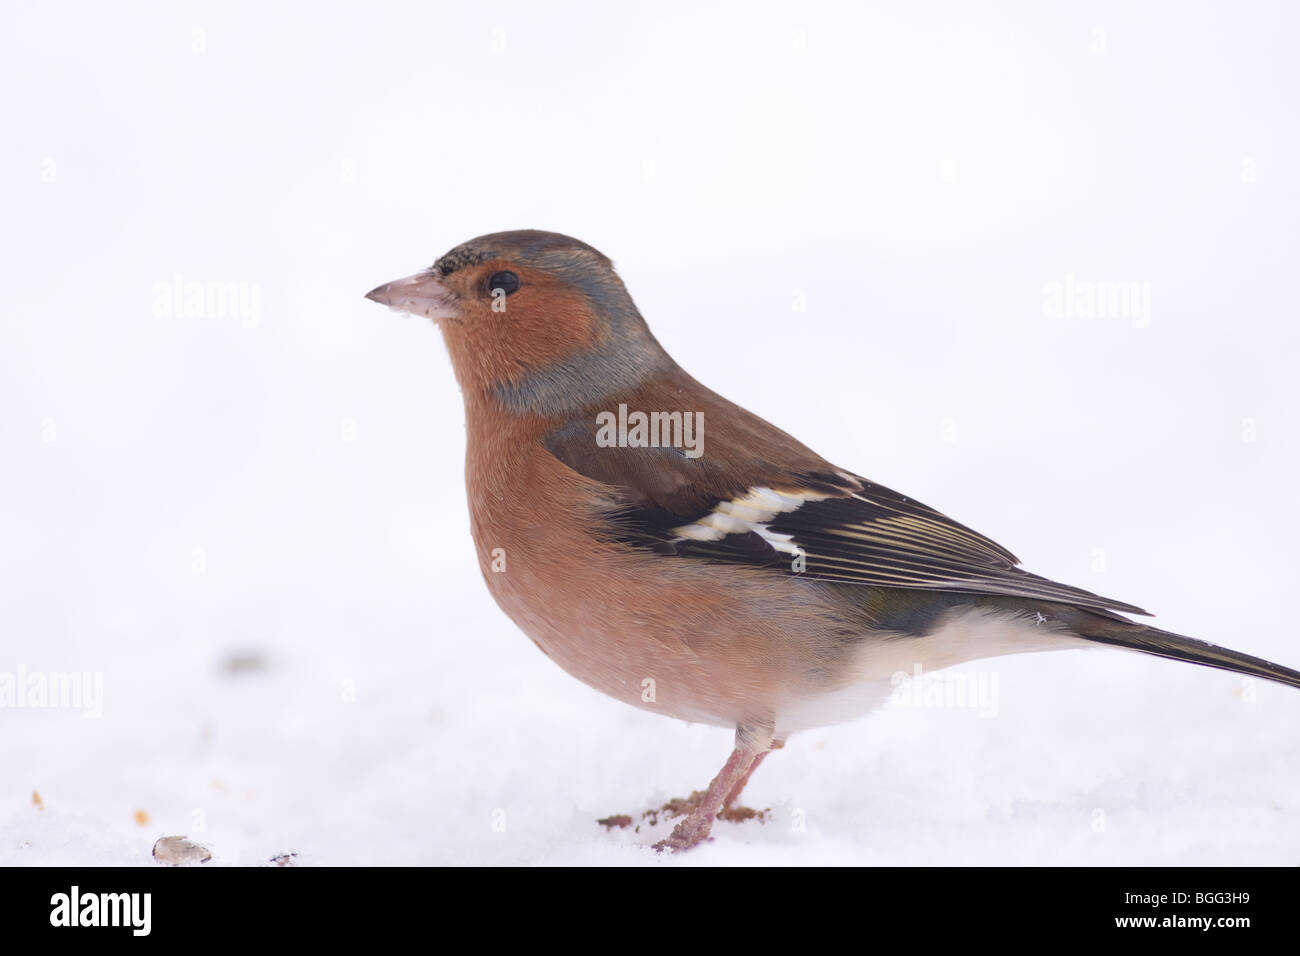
x=679, y=553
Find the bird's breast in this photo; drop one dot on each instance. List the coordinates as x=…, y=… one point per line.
x=709, y=643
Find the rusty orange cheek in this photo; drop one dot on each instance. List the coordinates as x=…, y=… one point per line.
x=540, y=327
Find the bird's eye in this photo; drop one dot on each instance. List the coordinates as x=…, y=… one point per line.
x=507, y=282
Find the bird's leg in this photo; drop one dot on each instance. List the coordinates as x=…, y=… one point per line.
x=734, y=796
x=695, y=827
x=752, y=741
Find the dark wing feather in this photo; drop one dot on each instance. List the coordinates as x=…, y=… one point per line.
x=878, y=537
x=846, y=529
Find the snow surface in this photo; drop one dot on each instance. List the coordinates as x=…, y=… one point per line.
x=252, y=526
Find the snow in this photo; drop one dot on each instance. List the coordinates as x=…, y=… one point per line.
x=240, y=503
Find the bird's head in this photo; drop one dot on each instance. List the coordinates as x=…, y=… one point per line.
x=536, y=321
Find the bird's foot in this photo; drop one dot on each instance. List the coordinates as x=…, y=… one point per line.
x=683, y=807
x=690, y=832
x=702, y=807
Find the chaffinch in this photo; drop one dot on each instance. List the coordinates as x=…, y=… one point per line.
x=679, y=553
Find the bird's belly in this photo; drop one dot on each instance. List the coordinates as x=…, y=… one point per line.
x=719, y=644
x=675, y=651
x=725, y=645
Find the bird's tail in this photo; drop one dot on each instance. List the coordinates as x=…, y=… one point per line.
x=1149, y=640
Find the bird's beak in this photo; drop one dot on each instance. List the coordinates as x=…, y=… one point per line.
x=420, y=294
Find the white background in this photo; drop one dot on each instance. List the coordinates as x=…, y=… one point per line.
x=182, y=492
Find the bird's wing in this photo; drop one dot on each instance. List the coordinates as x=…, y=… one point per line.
x=756, y=496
